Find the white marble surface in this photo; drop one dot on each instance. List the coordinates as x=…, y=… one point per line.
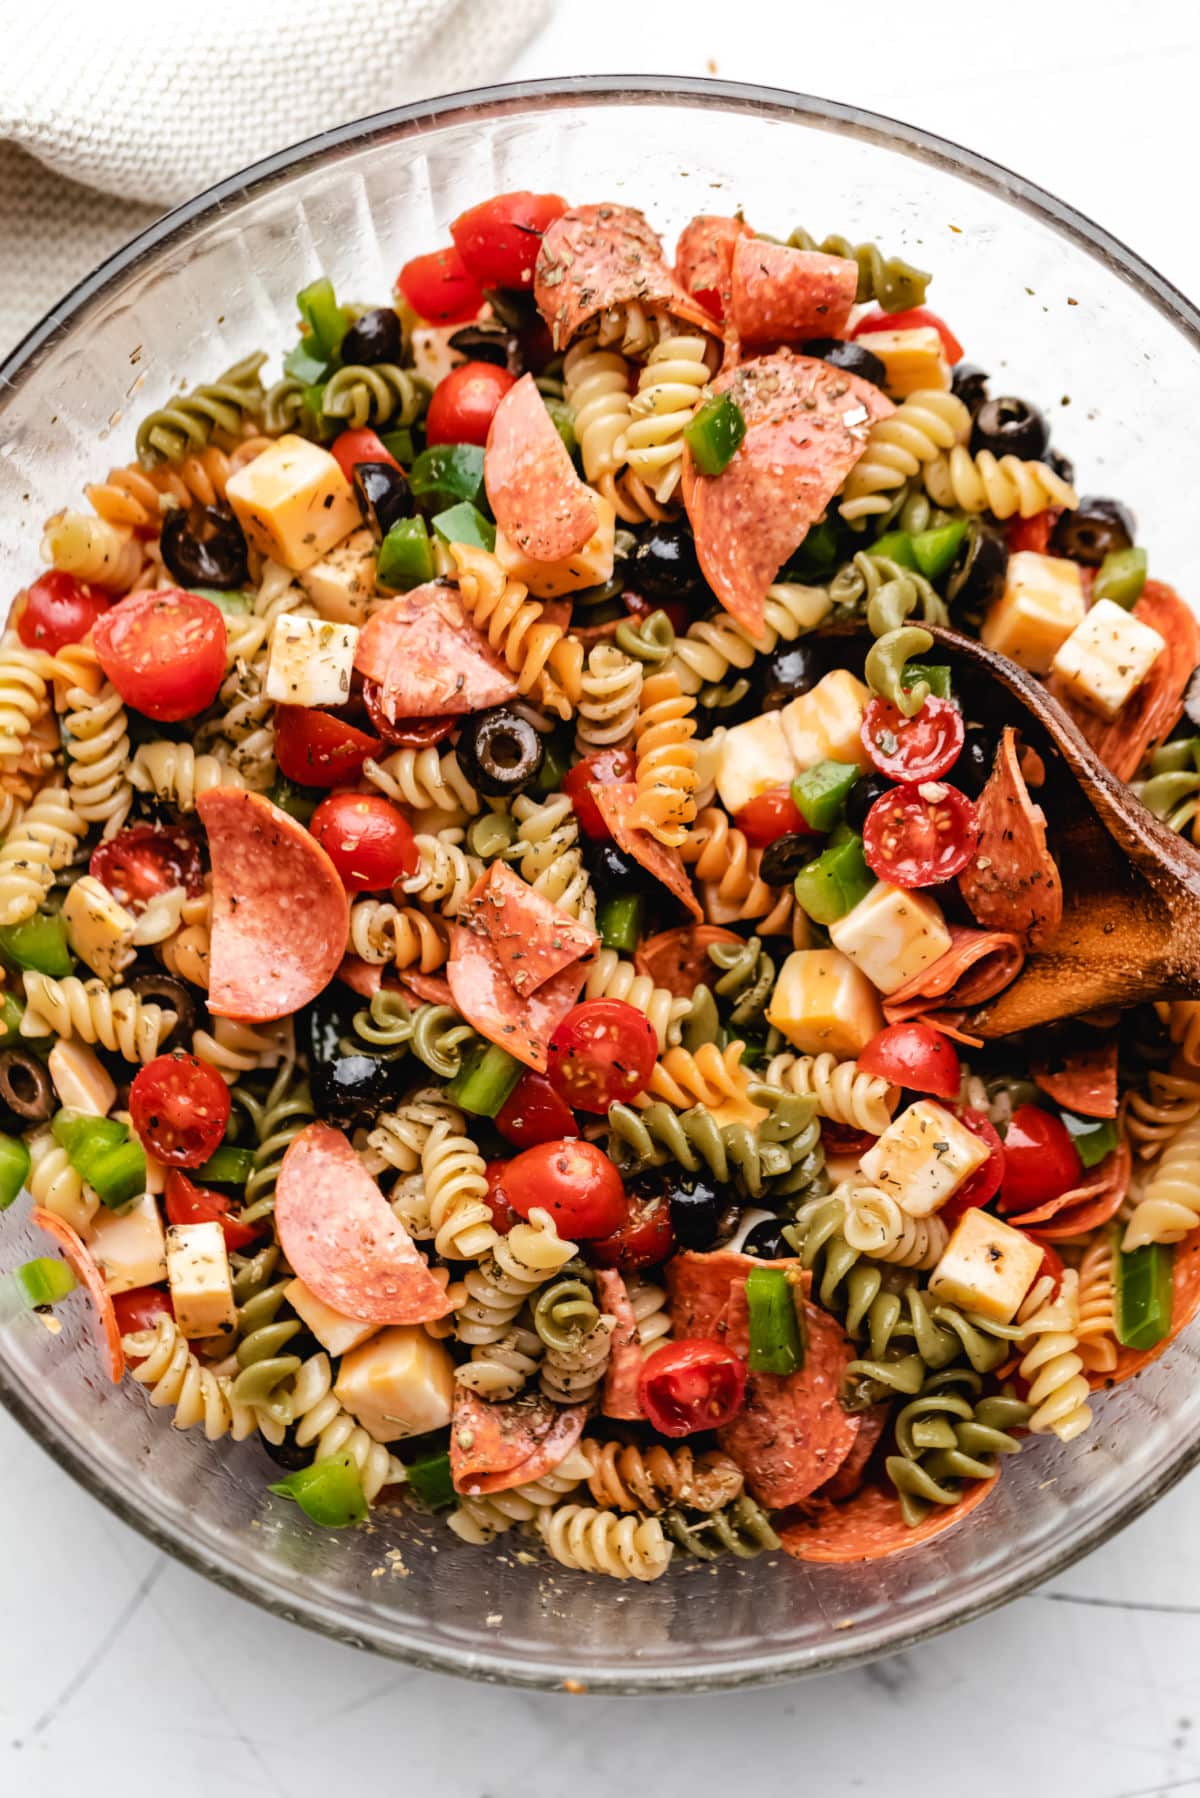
x=121, y=1672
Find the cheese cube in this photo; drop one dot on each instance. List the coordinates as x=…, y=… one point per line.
x=99, y=929
x=80, y=1078
x=986, y=1266
x=311, y=661
x=912, y=360
x=342, y=582
x=822, y=1002
x=334, y=1331
x=825, y=724
x=923, y=1157
x=128, y=1246
x=891, y=935
x=753, y=758
x=401, y=1383
x=293, y=502
x=1041, y=604
x=1107, y=657
x=200, y=1281
x=590, y=566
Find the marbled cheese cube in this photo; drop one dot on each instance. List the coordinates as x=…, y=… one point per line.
x=1041, y=605
x=293, y=502
x=823, y=1003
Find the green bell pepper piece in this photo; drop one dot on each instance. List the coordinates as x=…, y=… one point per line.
x=235, y=604
x=564, y=423
x=14, y=1169
x=304, y=365
x=556, y=761
x=11, y=1013
x=818, y=554
x=226, y=1166
x=465, y=523
x=405, y=556
x=820, y=793
x=325, y=319
x=485, y=1080
x=896, y=546
x=936, y=676
x=1145, y=1294
x=39, y=943
x=776, y=1344
x=297, y=802
x=619, y=921
x=447, y=472
x=330, y=1492
x=44, y=1281
x=399, y=443
x=933, y=551
x=1121, y=577
x=103, y=1153
x=429, y=1478
x=1094, y=1138
x=831, y=885
x=714, y=433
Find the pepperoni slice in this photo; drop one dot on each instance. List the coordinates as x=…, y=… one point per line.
x=1012, y=882
x=1081, y=1080
x=779, y=294
x=870, y=1527
x=977, y=965
x=538, y=500
x=427, y=658
x=704, y=259
x=615, y=801
x=806, y=426
x=80, y=1261
x=596, y=258
x=625, y=1349
x=340, y=1237
x=679, y=960
x=426, y=989
x=362, y=977
x=849, y=1477
x=533, y=938
x=486, y=997
x=496, y=1447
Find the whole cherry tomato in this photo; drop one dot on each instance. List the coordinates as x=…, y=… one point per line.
x=503, y=1215
x=145, y=860
x=369, y=840
x=499, y=239
x=601, y=767
x=187, y=1203
x=984, y=1183
x=911, y=320
x=770, y=815
x=179, y=1107
x=1030, y=533
x=439, y=288
x=533, y=1113
x=1040, y=1160
x=604, y=1051
x=914, y=1055
x=464, y=403
x=645, y=1239
x=315, y=749
x=59, y=610
x=920, y=836
x=913, y=749
x=574, y=1181
x=690, y=1386
x=353, y=447
x=164, y=652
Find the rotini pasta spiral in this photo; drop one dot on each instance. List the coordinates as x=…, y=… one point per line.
x=23, y=698
x=895, y=285
x=864, y=575
x=596, y=388
x=93, y=551
x=712, y=646
x=285, y=409
x=531, y=1254
x=186, y=954
x=422, y=778
x=784, y=1148
x=177, y=776
x=670, y=386
x=1167, y=1206
x=875, y=1225
x=1002, y=486
x=543, y=660
x=374, y=394
x=726, y=866
x=1051, y=1365
x=399, y=1136
x=264, y=1369
x=1096, y=1331
x=948, y=1435
x=54, y=1184
x=899, y=446
x=320, y=1422
x=161, y=1361
x=604, y=1542
x=480, y=1520
x=278, y=1119
x=1153, y=1117
x=625, y=1477
x=609, y=700
x=651, y=1312
x=234, y=1048
x=381, y=932
x=435, y=1033
x=572, y=1373
x=711, y=1076
x=455, y=1185
x=666, y=760
x=612, y=978
x=842, y=1092
x=747, y=977
x=97, y=746
x=499, y=1370
x=186, y=423
x=119, y=1021
x=43, y=842
x=1181, y=1020
x=446, y=874
x=742, y=1529
x=548, y=856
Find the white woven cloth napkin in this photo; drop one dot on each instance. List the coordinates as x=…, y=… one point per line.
x=112, y=111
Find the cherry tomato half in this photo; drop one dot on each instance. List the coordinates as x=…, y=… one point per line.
x=770, y=815
x=601, y=767
x=59, y=610
x=503, y=1215
x=406, y=733
x=644, y=1240
x=913, y=749
x=603, y=1051
x=1030, y=533
x=574, y=1181
x=533, y=1113
x=439, y=288
x=499, y=239
x=1040, y=1160
x=145, y=860
x=315, y=749
x=912, y=320
x=164, y=652
x=1052, y=1265
x=369, y=840
x=920, y=836
x=179, y=1107
x=690, y=1386
x=187, y=1203
x=464, y=403
x=914, y=1055
x=984, y=1183
x=843, y=1139
x=141, y=1308
x=353, y=447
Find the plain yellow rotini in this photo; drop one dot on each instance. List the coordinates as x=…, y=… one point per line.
x=874, y=1224
x=670, y=387
x=604, y=1542
x=499, y=1370
x=596, y=388
x=446, y=874
x=666, y=761
x=611, y=978
x=609, y=700
x=24, y=675
x=843, y=1093
x=187, y=953
x=624, y=1477
x=651, y=1312
x=1153, y=1117
x=234, y=1048
x=319, y=1422
x=175, y=1380
x=1166, y=1208
x=54, y=1184
x=399, y=1137
x=118, y=1020
x=93, y=550
x=532, y=1253
x=422, y=778
x=455, y=1187
x=1096, y=1330
x=898, y=447
x=381, y=932
x=543, y=660
x=97, y=746
x=1051, y=1365
x=1001, y=485
x=177, y=776
x=712, y=646
x=548, y=856
x=480, y=1520
x=43, y=841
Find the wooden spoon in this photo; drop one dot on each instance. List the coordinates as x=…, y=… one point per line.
x=1131, y=888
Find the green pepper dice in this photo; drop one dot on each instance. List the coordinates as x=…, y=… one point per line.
x=619, y=921
x=1145, y=1281
x=485, y=1081
x=714, y=434
x=776, y=1343
x=895, y=546
x=1094, y=1138
x=430, y=1480
x=447, y=472
x=44, y=1281
x=834, y=883
x=1121, y=577
x=821, y=792
x=39, y=944
x=936, y=676
x=226, y=1166
x=326, y=320
x=330, y=1492
x=14, y=1169
x=934, y=551
x=405, y=556
x=465, y=523
x=103, y=1153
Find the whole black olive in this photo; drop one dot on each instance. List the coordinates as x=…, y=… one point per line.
x=790, y=670
x=611, y=870
x=664, y=562
x=25, y=1086
x=173, y=995
x=973, y=768
x=969, y=384
x=375, y=337
x=862, y=797
x=492, y=342
x=203, y=546
x=1095, y=528
x=1010, y=427
x=1062, y=465
x=345, y=1086
x=783, y=859
x=766, y=1241
x=383, y=494
x=979, y=570
x=855, y=358
x=696, y=1209
x=499, y=752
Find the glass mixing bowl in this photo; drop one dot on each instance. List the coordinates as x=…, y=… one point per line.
x=1055, y=309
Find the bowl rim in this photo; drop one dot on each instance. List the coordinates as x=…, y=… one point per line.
x=273, y=1594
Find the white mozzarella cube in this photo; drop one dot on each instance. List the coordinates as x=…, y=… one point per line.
x=987, y=1266
x=923, y=1157
x=1041, y=605
x=293, y=502
x=753, y=758
x=311, y=661
x=401, y=1383
x=80, y=1078
x=129, y=1246
x=823, y=1003
x=342, y=582
x=333, y=1330
x=200, y=1281
x=1107, y=657
x=99, y=929
x=891, y=935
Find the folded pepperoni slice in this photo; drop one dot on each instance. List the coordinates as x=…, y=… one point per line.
x=704, y=258
x=486, y=997
x=83, y=1266
x=849, y=1477
x=1083, y=1207
x=427, y=658
x=597, y=258
x=870, y=1526
x=806, y=427
x=533, y=938
x=625, y=1350
x=679, y=959
x=362, y=977
x=341, y=1238
x=977, y=965
x=426, y=989
x=1082, y=1080
x=280, y=912
x=1012, y=882
x=615, y=801
x=1184, y=1306
x=538, y=500
x=495, y=1447
x=779, y=294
